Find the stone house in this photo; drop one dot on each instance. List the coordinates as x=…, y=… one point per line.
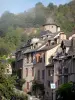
x=33, y=59
x=64, y=62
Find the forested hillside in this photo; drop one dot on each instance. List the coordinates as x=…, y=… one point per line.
x=64, y=15
x=12, y=26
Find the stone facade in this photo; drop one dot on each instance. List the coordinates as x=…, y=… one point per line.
x=64, y=62
x=33, y=60
x=52, y=28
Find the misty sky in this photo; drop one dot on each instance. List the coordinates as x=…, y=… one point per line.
x=17, y=6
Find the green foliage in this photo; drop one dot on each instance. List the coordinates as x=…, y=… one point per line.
x=6, y=83
x=37, y=87
x=4, y=48
x=11, y=60
x=35, y=17
x=20, y=96
x=7, y=86
x=20, y=82
x=66, y=92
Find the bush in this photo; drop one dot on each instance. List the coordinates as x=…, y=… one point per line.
x=66, y=92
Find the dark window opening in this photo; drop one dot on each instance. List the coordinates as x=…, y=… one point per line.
x=40, y=59
x=43, y=74
x=38, y=74
x=31, y=57
x=33, y=71
x=27, y=58
x=66, y=79
x=48, y=83
x=55, y=41
x=48, y=72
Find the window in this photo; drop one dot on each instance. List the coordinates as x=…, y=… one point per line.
x=27, y=85
x=66, y=70
x=60, y=80
x=55, y=41
x=43, y=74
x=38, y=74
x=26, y=72
x=66, y=79
x=31, y=57
x=27, y=58
x=44, y=57
x=60, y=71
x=48, y=72
x=33, y=71
x=36, y=45
x=48, y=83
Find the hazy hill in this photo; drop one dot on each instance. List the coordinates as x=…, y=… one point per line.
x=64, y=15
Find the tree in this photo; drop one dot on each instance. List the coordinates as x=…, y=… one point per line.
x=66, y=92
x=13, y=37
x=6, y=83
x=4, y=47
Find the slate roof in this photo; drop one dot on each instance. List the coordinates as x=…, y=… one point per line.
x=47, y=47
x=29, y=51
x=45, y=32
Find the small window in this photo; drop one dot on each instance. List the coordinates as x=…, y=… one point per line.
x=48, y=83
x=40, y=59
x=43, y=74
x=44, y=57
x=36, y=44
x=31, y=57
x=48, y=72
x=38, y=74
x=33, y=71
